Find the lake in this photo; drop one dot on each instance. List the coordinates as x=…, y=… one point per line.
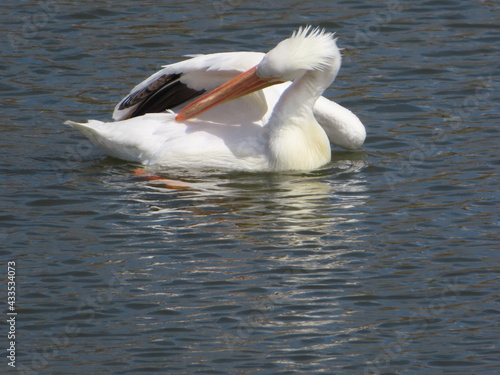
x=385, y=261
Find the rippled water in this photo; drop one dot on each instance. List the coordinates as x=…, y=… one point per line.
x=385, y=261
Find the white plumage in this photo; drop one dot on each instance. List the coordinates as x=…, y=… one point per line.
x=274, y=128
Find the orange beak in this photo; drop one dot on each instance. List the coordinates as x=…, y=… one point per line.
x=243, y=84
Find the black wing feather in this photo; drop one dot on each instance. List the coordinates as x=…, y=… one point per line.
x=165, y=92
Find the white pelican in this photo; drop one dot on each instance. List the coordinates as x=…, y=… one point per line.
x=269, y=130
x=177, y=84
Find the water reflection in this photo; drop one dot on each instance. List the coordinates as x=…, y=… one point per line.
x=253, y=260
x=294, y=210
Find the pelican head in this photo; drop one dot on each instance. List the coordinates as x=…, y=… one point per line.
x=306, y=50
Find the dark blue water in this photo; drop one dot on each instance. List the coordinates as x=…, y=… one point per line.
x=386, y=261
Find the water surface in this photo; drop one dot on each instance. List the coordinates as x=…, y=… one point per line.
x=385, y=261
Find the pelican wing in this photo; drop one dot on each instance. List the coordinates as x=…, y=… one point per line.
x=179, y=83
